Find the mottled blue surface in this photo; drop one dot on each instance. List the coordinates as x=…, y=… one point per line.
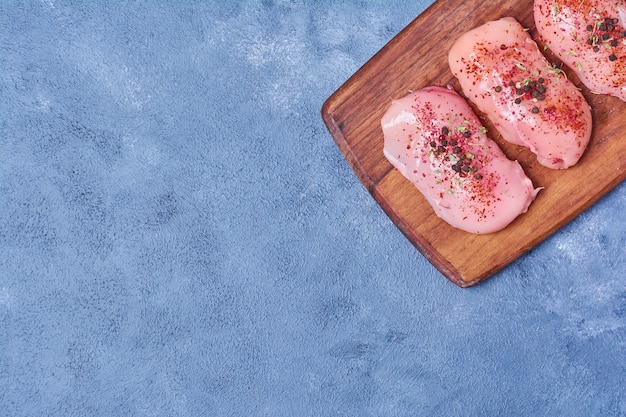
x=180, y=236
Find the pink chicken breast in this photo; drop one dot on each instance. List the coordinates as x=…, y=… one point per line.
x=532, y=104
x=589, y=37
x=437, y=142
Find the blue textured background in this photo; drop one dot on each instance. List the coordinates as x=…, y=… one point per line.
x=180, y=236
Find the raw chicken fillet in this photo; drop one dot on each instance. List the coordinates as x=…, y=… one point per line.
x=437, y=142
x=532, y=104
x=589, y=37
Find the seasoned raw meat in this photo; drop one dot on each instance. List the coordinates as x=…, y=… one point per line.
x=436, y=141
x=502, y=71
x=589, y=37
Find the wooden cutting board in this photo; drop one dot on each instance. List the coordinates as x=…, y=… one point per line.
x=416, y=58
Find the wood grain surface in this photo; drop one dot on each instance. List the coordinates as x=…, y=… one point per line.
x=416, y=58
